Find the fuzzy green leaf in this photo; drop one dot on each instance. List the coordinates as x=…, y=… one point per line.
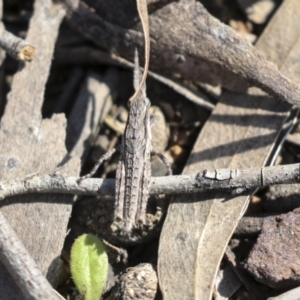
x=89, y=266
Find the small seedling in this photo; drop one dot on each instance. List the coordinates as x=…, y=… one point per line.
x=89, y=266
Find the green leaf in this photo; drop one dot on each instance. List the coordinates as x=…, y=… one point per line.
x=89, y=266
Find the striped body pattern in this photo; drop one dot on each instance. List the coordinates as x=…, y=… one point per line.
x=134, y=169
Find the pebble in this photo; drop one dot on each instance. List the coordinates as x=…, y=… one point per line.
x=274, y=259
x=138, y=282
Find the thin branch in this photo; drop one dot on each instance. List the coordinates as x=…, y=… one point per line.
x=22, y=267
x=15, y=46
x=81, y=55
x=195, y=97
x=235, y=181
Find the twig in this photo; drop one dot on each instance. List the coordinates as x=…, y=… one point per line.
x=235, y=181
x=22, y=267
x=83, y=55
x=195, y=97
x=15, y=46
